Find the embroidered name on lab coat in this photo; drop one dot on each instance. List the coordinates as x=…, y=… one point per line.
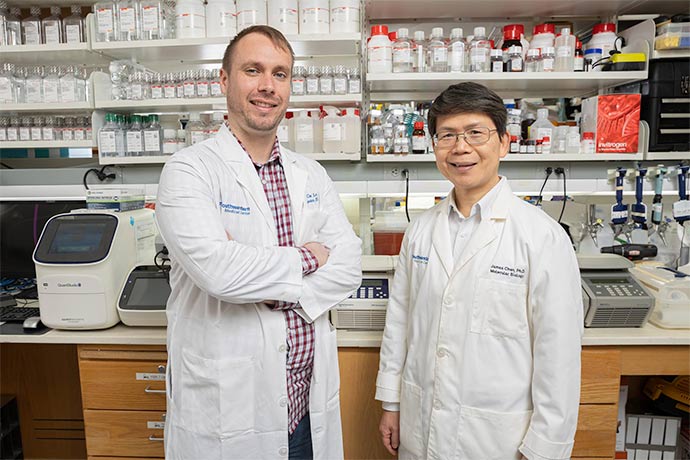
x=420, y=259
x=234, y=209
x=511, y=272
x=312, y=198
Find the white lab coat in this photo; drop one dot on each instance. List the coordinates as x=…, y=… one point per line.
x=483, y=355
x=227, y=391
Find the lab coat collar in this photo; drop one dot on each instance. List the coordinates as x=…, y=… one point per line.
x=488, y=206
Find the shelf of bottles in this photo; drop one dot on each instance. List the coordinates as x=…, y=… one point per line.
x=158, y=159
x=47, y=107
x=668, y=156
x=86, y=143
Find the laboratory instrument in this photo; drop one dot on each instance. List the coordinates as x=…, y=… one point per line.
x=143, y=297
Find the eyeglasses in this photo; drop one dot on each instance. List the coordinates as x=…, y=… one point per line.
x=474, y=136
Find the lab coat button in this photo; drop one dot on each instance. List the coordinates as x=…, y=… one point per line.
x=283, y=402
x=448, y=301
x=283, y=451
x=282, y=348
x=437, y=404
x=441, y=353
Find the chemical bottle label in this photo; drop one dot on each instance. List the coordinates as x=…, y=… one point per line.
x=72, y=33
x=104, y=19
x=149, y=18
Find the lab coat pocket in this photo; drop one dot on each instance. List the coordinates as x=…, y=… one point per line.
x=237, y=394
x=310, y=226
x=500, y=309
x=198, y=394
x=490, y=435
x=411, y=419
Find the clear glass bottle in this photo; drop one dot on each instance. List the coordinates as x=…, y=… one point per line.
x=146, y=87
x=190, y=84
x=86, y=122
x=49, y=129
x=31, y=28
x=354, y=81
x=420, y=48
x=401, y=143
x=34, y=85
x=438, y=51
x=326, y=80
x=457, y=51
x=496, y=60
x=312, y=80
x=169, y=141
x=214, y=84
x=37, y=129
x=480, y=49
x=514, y=63
x=572, y=140
x=78, y=132
x=106, y=21
x=128, y=20
x=179, y=85
x=402, y=52
x=215, y=125
x=169, y=86
x=202, y=85
x=13, y=129
x=20, y=84
x=7, y=91
x=298, y=81
x=548, y=59
x=153, y=137
x=136, y=86
x=108, y=137
x=339, y=80
x=134, y=138
x=51, y=27
x=13, y=26
x=82, y=78
x=533, y=60
x=25, y=129
x=4, y=123
x=195, y=129
x=68, y=129
x=4, y=13
x=156, y=86
x=151, y=16
x=181, y=138
x=68, y=84
x=51, y=85
x=73, y=26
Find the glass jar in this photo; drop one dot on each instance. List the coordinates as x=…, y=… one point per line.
x=533, y=60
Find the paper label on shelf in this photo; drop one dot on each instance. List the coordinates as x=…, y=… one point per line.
x=155, y=425
x=79, y=134
x=169, y=91
x=304, y=132
x=67, y=134
x=52, y=34
x=36, y=133
x=68, y=90
x=51, y=90
x=24, y=133
x=312, y=86
x=6, y=95
x=12, y=134
x=106, y=142
x=33, y=90
x=216, y=90
x=149, y=18
x=47, y=134
x=283, y=133
x=189, y=88
x=72, y=33
x=332, y=132
x=202, y=89
x=104, y=20
x=134, y=143
x=681, y=209
x=136, y=91
x=152, y=141
x=128, y=21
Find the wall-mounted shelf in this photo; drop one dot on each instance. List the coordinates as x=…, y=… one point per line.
x=165, y=105
x=333, y=156
x=338, y=100
x=47, y=107
x=574, y=157
x=541, y=84
x=657, y=156
x=163, y=158
x=670, y=54
x=393, y=158
x=46, y=144
x=58, y=54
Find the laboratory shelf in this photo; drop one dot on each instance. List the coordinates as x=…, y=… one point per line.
x=397, y=86
x=671, y=54
x=333, y=156
x=45, y=107
x=211, y=49
x=392, y=158
x=656, y=156
x=157, y=159
x=574, y=157
x=56, y=54
x=46, y=144
x=339, y=100
x=165, y=105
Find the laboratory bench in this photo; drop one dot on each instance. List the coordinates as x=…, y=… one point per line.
x=101, y=394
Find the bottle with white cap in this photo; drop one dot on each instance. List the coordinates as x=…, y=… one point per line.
x=402, y=52
x=419, y=52
x=480, y=48
x=457, y=51
x=565, y=51
x=438, y=51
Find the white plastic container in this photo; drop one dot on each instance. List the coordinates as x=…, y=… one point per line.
x=317, y=122
x=284, y=16
x=379, y=51
x=353, y=131
x=303, y=132
x=543, y=35
x=221, y=18
x=542, y=127
x=344, y=16
x=190, y=19
x=333, y=131
x=314, y=17
x=604, y=37
x=283, y=132
x=250, y=12
x=565, y=51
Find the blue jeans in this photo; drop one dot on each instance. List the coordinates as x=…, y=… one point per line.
x=299, y=442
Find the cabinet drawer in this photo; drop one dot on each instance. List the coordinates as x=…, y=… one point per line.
x=116, y=380
x=600, y=381
x=124, y=433
x=596, y=431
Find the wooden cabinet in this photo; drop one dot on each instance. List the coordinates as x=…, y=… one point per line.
x=123, y=393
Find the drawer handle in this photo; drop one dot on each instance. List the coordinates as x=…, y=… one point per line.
x=156, y=439
x=149, y=390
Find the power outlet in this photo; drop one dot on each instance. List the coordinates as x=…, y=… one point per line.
x=396, y=172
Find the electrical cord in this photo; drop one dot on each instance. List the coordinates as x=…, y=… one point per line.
x=406, y=174
x=164, y=264
x=561, y=172
x=99, y=173
x=548, y=171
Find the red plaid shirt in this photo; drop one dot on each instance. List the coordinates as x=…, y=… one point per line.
x=300, y=334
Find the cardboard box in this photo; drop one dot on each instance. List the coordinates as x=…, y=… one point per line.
x=615, y=120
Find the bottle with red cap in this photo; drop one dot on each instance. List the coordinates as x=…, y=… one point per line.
x=514, y=35
x=418, y=138
x=379, y=51
x=604, y=37
x=543, y=35
x=579, y=62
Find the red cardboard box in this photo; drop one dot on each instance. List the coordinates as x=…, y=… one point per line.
x=617, y=122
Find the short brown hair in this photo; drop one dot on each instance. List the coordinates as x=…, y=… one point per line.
x=276, y=37
x=469, y=97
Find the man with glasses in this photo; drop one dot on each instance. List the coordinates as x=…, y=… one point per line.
x=480, y=356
